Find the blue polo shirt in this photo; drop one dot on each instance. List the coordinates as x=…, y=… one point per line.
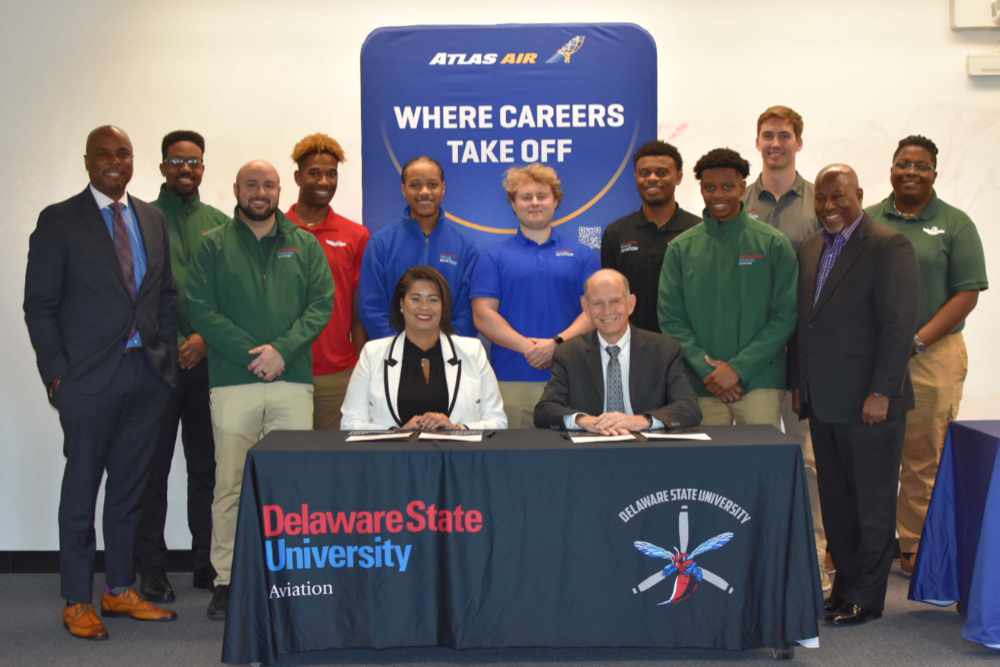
x=539, y=288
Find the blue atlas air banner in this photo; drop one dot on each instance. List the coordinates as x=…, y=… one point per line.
x=480, y=99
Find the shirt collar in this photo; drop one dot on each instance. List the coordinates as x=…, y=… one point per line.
x=104, y=201
x=926, y=213
x=526, y=241
x=172, y=200
x=642, y=221
x=415, y=226
x=845, y=233
x=757, y=189
x=716, y=227
x=798, y=185
x=622, y=342
x=328, y=221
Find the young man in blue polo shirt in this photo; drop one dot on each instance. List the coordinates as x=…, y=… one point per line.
x=526, y=291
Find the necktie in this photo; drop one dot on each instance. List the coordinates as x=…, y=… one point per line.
x=123, y=247
x=615, y=395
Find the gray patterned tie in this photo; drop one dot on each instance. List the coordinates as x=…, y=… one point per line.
x=615, y=395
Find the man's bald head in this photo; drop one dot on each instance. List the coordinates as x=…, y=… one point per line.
x=607, y=275
x=258, y=167
x=839, y=169
x=109, y=160
x=257, y=189
x=838, y=197
x=106, y=130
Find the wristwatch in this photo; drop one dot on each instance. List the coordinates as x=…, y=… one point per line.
x=918, y=345
x=559, y=340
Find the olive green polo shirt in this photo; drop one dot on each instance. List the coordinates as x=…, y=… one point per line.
x=793, y=214
x=948, y=249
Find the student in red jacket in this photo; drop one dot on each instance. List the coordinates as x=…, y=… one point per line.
x=336, y=350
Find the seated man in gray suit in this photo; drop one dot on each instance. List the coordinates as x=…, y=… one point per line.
x=617, y=379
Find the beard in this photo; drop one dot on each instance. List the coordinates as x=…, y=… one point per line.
x=250, y=214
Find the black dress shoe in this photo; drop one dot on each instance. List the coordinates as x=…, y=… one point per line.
x=833, y=603
x=204, y=578
x=155, y=587
x=853, y=614
x=220, y=603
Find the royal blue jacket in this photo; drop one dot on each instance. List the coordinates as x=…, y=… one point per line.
x=400, y=246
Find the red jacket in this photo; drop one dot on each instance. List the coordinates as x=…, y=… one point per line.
x=344, y=243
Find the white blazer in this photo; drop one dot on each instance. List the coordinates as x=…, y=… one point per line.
x=472, y=387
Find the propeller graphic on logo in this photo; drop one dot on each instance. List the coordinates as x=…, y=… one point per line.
x=689, y=573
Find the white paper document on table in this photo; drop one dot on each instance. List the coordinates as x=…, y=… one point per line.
x=676, y=436
x=457, y=437
x=378, y=435
x=590, y=439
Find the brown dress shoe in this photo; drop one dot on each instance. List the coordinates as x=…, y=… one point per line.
x=81, y=620
x=131, y=604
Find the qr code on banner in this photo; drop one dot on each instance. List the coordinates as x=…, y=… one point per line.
x=590, y=237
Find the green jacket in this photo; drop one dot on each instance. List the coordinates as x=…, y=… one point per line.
x=242, y=293
x=187, y=223
x=729, y=290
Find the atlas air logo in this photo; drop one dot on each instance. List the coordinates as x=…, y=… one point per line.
x=681, y=565
x=563, y=54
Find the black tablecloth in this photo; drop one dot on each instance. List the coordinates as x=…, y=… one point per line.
x=522, y=540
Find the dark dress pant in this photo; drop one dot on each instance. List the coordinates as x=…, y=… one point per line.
x=188, y=406
x=857, y=467
x=115, y=431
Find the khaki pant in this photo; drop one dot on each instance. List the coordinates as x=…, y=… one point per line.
x=938, y=375
x=242, y=415
x=519, y=399
x=328, y=398
x=799, y=429
x=760, y=406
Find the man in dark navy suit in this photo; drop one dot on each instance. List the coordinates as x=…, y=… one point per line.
x=99, y=305
x=858, y=301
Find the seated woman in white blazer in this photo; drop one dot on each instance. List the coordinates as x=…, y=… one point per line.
x=424, y=377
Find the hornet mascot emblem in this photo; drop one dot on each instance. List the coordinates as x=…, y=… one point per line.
x=681, y=563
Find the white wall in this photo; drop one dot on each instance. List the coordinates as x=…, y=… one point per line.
x=254, y=77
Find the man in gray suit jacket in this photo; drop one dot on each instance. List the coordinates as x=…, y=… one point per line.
x=858, y=300
x=617, y=379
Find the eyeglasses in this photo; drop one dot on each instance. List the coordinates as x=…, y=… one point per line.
x=193, y=162
x=903, y=165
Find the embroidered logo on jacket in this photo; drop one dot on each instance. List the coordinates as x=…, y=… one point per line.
x=749, y=260
x=933, y=231
x=336, y=244
x=565, y=253
x=629, y=246
x=290, y=251
x=448, y=258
